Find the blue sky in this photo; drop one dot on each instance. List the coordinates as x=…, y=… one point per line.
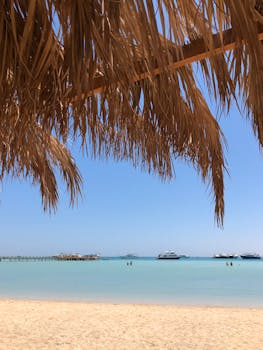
x=125, y=210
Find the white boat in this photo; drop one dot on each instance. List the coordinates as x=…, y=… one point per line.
x=169, y=254
x=225, y=256
x=129, y=256
x=250, y=256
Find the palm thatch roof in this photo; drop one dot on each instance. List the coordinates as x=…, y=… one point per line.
x=120, y=75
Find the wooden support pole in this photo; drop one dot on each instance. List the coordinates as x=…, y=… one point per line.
x=187, y=54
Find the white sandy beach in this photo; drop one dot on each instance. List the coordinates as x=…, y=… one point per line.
x=69, y=325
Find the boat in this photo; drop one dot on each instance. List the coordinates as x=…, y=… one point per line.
x=169, y=254
x=129, y=256
x=250, y=256
x=91, y=257
x=225, y=256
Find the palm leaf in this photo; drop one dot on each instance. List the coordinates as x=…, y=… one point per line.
x=120, y=75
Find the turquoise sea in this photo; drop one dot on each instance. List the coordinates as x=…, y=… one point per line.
x=192, y=281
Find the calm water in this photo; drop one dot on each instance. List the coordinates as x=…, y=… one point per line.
x=189, y=281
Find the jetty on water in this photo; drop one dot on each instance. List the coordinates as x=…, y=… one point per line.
x=60, y=257
x=26, y=258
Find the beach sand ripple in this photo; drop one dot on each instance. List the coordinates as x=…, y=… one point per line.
x=68, y=325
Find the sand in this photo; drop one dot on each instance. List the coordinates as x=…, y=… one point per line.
x=68, y=325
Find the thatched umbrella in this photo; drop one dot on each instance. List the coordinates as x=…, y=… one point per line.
x=119, y=74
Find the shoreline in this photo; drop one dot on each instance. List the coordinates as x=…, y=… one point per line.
x=38, y=324
x=127, y=303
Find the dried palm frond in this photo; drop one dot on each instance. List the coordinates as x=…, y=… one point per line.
x=119, y=73
x=30, y=151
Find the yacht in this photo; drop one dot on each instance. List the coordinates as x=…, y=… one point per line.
x=169, y=255
x=129, y=256
x=250, y=256
x=225, y=256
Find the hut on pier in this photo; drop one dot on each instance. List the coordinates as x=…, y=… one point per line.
x=76, y=257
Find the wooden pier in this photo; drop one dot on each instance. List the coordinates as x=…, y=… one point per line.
x=64, y=257
x=26, y=258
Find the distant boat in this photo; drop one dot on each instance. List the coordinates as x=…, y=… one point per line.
x=250, y=256
x=129, y=256
x=169, y=255
x=225, y=256
x=91, y=257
